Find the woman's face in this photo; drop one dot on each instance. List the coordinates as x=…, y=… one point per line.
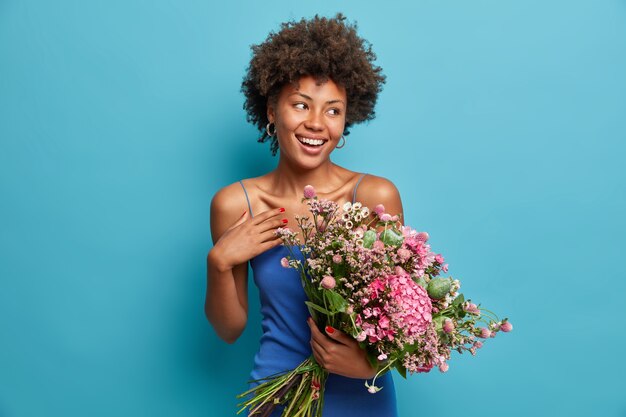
x=309, y=119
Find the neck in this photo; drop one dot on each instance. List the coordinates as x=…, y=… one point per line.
x=290, y=180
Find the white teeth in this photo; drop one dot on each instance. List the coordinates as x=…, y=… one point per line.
x=314, y=142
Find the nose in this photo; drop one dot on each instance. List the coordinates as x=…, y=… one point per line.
x=314, y=121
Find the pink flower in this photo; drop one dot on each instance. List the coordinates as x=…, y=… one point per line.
x=337, y=259
x=404, y=254
x=478, y=344
x=422, y=236
x=471, y=308
x=309, y=191
x=445, y=268
x=361, y=337
x=321, y=225
x=378, y=245
x=284, y=262
x=400, y=271
x=385, y=217
x=485, y=332
x=328, y=282
x=379, y=209
x=424, y=368
x=444, y=367
x=382, y=357
x=439, y=258
x=506, y=326
x=448, y=326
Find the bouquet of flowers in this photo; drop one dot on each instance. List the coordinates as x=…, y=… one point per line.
x=373, y=278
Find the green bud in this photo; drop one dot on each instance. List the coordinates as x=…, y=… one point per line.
x=439, y=287
x=369, y=238
x=421, y=281
x=391, y=237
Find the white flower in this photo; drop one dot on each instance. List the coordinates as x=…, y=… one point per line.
x=347, y=207
x=373, y=389
x=365, y=212
x=357, y=205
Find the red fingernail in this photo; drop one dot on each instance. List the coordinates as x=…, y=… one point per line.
x=285, y=220
x=282, y=209
x=330, y=330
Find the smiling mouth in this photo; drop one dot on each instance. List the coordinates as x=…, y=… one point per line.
x=311, y=141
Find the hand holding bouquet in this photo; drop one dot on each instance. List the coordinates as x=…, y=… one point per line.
x=377, y=280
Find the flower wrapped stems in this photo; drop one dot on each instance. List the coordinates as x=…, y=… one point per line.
x=299, y=390
x=379, y=281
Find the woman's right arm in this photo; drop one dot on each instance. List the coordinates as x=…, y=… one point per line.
x=237, y=238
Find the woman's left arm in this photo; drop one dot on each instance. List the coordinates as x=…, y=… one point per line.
x=336, y=351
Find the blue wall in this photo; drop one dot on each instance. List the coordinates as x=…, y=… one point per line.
x=503, y=124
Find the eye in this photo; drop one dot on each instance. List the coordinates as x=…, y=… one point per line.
x=334, y=111
x=300, y=106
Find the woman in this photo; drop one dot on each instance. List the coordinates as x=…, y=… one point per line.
x=305, y=85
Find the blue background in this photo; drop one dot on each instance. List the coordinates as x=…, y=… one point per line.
x=503, y=124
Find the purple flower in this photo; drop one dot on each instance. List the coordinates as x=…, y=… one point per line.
x=379, y=209
x=485, y=332
x=309, y=191
x=284, y=262
x=506, y=326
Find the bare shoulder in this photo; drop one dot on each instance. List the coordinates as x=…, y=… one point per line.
x=227, y=206
x=230, y=198
x=374, y=190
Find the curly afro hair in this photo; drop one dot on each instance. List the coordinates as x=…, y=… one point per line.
x=326, y=48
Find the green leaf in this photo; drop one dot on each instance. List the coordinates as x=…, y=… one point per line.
x=339, y=270
x=460, y=299
x=372, y=359
x=315, y=307
x=336, y=301
x=400, y=368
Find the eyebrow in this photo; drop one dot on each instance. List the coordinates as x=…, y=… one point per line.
x=311, y=99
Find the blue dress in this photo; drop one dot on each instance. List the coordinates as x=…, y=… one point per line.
x=285, y=341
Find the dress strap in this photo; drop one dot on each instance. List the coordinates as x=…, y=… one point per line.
x=355, y=187
x=247, y=199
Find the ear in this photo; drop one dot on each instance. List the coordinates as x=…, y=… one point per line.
x=271, y=113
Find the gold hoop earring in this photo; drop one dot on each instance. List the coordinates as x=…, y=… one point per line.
x=343, y=144
x=268, y=129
